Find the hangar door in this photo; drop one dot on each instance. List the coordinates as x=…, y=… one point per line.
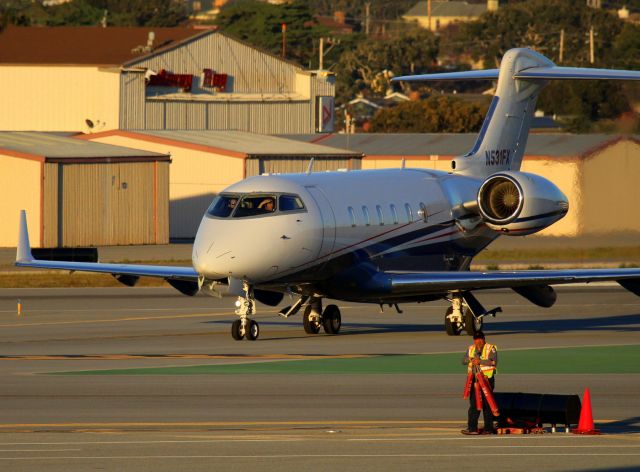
x=105, y=204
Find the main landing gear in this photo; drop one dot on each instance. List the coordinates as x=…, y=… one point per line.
x=245, y=307
x=465, y=314
x=314, y=317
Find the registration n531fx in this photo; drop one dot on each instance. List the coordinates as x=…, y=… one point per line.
x=386, y=236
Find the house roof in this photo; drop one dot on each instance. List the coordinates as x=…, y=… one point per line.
x=448, y=144
x=85, y=45
x=234, y=143
x=52, y=147
x=448, y=8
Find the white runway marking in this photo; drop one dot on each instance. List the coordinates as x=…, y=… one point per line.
x=304, y=456
x=39, y=450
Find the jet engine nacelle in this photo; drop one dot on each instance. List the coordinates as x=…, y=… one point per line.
x=519, y=203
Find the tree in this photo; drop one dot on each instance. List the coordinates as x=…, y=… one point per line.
x=360, y=67
x=90, y=12
x=260, y=23
x=538, y=24
x=437, y=114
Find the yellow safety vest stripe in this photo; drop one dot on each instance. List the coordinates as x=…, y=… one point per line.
x=487, y=370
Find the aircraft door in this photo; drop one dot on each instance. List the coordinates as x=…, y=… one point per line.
x=328, y=220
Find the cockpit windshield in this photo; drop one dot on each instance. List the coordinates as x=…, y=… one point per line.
x=254, y=204
x=223, y=205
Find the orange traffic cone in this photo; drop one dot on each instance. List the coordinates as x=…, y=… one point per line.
x=585, y=425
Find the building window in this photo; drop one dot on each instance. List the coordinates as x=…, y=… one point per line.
x=407, y=209
x=394, y=214
x=365, y=214
x=380, y=215
x=352, y=216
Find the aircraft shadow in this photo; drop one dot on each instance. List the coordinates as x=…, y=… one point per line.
x=618, y=323
x=629, y=425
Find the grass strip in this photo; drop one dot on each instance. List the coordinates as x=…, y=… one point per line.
x=64, y=279
x=574, y=360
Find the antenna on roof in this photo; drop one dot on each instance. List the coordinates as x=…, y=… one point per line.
x=150, y=39
x=310, y=168
x=149, y=46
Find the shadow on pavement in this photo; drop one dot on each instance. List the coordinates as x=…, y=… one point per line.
x=629, y=425
x=626, y=323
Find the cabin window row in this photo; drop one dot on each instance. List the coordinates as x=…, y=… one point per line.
x=394, y=218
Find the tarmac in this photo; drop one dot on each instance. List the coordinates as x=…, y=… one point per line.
x=290, y=401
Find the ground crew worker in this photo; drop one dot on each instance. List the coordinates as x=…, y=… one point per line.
x=484, y=355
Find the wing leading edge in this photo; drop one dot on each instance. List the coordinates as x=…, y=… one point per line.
x=408, y=284
x=24, y=258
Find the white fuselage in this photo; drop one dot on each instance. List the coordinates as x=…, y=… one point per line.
x=377, y=215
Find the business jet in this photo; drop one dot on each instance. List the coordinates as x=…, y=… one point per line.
x=387, y=236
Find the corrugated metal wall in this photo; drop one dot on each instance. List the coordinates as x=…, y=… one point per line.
x=132, y=100
x=255, y=117
x=292, y=165
x=252, y=70
x=249, y=70
x=112, y=204
x=50, y=210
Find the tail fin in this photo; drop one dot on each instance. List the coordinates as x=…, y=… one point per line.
x=503, y=137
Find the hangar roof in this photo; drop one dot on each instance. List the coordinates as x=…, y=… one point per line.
x=445, y=144
x=86, y=45
x=52, y=147
x=236, y=143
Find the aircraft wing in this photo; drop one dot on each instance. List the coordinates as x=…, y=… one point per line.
x=24, y=258
x=407, y=284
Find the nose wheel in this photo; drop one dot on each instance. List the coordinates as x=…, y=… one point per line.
x=245, y=328
x=250, y=331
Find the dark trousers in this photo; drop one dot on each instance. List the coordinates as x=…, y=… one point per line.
x=474, y=414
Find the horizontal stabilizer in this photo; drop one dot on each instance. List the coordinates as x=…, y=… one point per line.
x=532, y=73
x=576, y=73
x=489, y=74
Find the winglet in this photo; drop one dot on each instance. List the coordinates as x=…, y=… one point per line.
x=23, y=253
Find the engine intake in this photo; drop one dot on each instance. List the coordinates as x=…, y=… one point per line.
x=500, y=199
x=519, y=203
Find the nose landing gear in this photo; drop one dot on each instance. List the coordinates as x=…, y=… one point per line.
x=245, y=307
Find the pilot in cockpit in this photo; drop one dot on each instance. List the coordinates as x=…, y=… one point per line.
x=267, y=205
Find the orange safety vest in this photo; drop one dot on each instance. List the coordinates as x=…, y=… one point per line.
x=487, y=370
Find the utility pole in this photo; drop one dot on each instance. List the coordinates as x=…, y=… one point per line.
x=321, y=58
x=284, y=40
x=561, y=56
x=429, y=14
x=592, y=54
x=367, y=13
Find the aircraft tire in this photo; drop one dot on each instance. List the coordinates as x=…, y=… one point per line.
x=235, y=330
x=451, y=328
x=331, y=319
x=310, y=326
x=471, y=324
x=253, y=331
